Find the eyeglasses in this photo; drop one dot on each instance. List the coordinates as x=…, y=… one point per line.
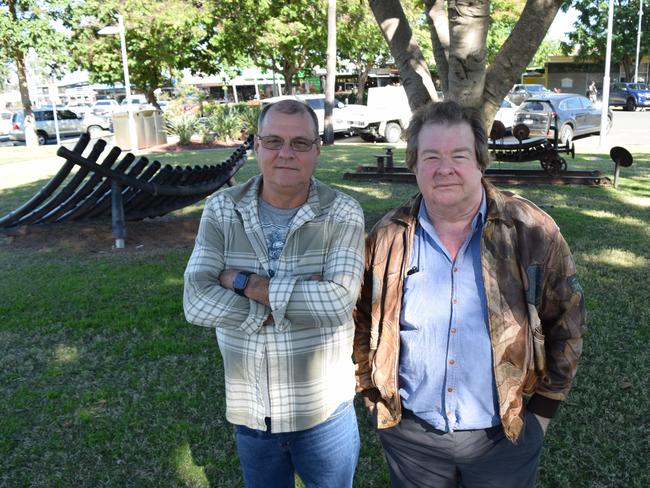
x=275, y=143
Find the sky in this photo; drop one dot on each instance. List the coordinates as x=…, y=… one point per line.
x=562, y=24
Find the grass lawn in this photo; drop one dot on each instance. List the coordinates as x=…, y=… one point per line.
x=103, y=383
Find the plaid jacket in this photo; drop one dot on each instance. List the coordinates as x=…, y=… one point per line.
x=309, y=348
x=535, y=305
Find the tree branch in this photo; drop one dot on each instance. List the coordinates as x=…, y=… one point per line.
x=517, y=52
x=439, y=29
x=413, y=68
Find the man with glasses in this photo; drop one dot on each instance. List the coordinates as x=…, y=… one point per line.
x=276, y=270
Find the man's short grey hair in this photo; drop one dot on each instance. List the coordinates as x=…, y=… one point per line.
x=447, y=113
x=288, y=106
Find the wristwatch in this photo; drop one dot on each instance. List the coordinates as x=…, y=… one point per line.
x=240, y=282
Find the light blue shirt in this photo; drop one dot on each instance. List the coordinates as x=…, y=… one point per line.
x=446, y=376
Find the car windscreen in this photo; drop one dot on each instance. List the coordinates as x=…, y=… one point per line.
x=536, y=88
x=535, y=106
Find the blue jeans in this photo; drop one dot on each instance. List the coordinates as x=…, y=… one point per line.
x=324, y=456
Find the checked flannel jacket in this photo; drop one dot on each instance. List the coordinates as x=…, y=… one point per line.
x=309, y=346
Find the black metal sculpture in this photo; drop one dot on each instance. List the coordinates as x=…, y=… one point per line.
x=132, y=189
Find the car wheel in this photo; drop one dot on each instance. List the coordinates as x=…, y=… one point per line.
x=566, y=135
x=630, y=106
x=95, y=131
x=393, y=132
x=41, y=137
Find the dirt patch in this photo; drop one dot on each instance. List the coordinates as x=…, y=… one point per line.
x=194, y=145
x=96, y=237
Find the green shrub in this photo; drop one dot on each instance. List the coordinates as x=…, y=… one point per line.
x=249, y=118
x=184, y=126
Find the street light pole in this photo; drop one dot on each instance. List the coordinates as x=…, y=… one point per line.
x=608, y=57
x=112, y=30
x=638, y=44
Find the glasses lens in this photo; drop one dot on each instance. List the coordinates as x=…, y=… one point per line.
x=272, y=142
x=300, y=144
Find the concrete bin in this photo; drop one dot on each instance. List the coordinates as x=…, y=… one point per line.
x=149, y=129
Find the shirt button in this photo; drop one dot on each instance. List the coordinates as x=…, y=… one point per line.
x=450, y=389
x=451, y=361
x=453, y=330
x=455, y=270
x=448, y=414
x=271, y=273
x=455, y=301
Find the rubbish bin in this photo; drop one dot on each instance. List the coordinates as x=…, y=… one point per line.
x=154, y=128
x=149, y=129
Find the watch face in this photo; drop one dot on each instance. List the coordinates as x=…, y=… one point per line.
x=240, y=282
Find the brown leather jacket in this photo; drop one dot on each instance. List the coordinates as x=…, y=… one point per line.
x=535, y=304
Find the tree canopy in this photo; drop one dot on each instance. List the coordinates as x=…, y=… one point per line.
x=162, y=39
x=283, y=36
x=31, y=25
x=588, y=40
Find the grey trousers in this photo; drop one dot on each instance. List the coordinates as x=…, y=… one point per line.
x=420, y=456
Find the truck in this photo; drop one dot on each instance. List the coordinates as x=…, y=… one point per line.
x=386, y=115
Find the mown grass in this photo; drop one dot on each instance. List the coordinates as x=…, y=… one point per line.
x=103, y=383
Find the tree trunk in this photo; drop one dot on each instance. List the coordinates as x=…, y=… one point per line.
x=468, y=25
x=328, y=134
x=289, y=71
x=439, y=28
x=151, y=97
x=362, y=79
x=29, y=122
x=414, y=71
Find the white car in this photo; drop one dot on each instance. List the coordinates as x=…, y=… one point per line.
x=506, y=113
x=345, y=116
x=5, y=122
x=136, y=100
x=105, y=107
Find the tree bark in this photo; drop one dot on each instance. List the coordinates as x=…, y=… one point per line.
x=439, y=29
x=414, y=71
x=468, y=25
x=362, y=79
x=29, y=122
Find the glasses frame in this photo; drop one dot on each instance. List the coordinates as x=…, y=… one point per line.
x=284, y=142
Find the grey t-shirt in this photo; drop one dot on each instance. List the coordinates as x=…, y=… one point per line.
x=275, y=225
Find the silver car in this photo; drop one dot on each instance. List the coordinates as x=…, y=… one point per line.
x=70, y=124
x=572, y=115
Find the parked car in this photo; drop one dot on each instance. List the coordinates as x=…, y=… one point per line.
x=344, y=116
x=104, y=107
x=506, y=114
x=5, y=122
x=70, y=124
x=629, y=95
x=79, y=107
x=573, y=115
x=521, y=92
x=135, y=100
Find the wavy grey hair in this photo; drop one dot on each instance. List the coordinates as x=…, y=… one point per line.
x=447, y=113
